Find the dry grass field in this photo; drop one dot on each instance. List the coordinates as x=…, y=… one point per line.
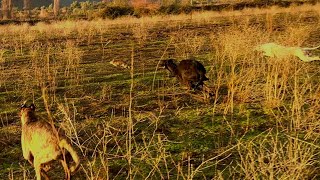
x=262, y=122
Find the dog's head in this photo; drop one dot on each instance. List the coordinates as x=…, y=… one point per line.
x=27, y=113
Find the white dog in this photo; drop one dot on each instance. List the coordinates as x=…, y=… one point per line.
x=278, y=51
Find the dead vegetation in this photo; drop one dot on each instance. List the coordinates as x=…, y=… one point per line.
x=262, y=120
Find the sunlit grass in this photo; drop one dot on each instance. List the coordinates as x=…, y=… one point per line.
x=262, y=120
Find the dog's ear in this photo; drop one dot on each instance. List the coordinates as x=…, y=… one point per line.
x=166, y=62
x=32, y=107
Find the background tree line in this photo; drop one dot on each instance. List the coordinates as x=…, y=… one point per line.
x=7, y=5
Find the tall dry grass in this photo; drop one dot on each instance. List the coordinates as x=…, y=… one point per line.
x=285, y=90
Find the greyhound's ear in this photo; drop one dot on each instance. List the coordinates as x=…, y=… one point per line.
x=32, y=106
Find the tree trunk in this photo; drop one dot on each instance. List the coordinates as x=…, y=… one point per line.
x=56, y=7
x=9, y=9
x=6, y=6
x=4, y=9
x=26, y=7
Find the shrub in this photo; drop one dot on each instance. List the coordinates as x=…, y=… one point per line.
x=145, y=10
x=175, y=9
x=113, y=12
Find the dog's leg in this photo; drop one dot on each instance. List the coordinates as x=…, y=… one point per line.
x=312, y=48
x=313, y=58
x=302, y=55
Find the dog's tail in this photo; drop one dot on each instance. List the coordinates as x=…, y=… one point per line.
x=313, y=48
x=64, y=144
